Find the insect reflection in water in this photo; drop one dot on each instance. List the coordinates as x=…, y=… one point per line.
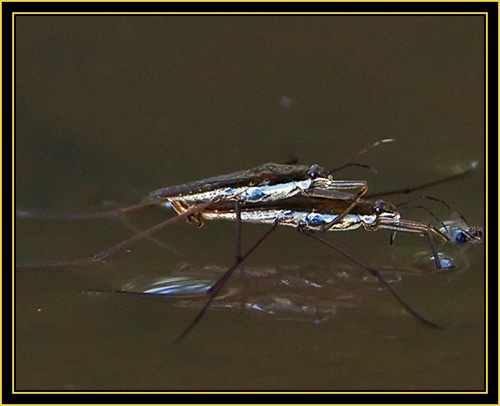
x=285, y=292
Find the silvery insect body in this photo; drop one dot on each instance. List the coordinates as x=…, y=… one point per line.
x=306, y=198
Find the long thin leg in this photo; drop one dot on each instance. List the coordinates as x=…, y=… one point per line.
x=339, y=218
x=105, y=214
x=103, y=254
x=342, y=215
x=425, y=185
x=81, y=216
x=434, y=250
x=356, y=199
x=375, y=273
x=405, y=205
x=215, y=288
x=237, y=208
x=154, y=240
x=427, y=233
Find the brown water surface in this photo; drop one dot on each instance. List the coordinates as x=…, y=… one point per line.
x=109, y=108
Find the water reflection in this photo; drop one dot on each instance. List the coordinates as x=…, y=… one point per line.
x=287, y=292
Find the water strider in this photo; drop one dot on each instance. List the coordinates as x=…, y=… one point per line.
x=306, y=198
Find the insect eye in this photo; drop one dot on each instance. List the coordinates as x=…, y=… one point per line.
x=313, y=172
x=461, y=237
x=378, y=209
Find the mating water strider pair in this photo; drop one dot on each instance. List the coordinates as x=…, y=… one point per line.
x=307, y=198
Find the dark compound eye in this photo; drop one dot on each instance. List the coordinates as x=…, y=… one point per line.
x=378, y=209
x=313, y=172
x=461, y=237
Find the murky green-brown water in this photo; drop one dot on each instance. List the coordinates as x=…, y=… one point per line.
x=110, y=108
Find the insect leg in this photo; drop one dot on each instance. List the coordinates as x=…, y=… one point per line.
x=406, y=206
x=416, y=227
x=38, y=215
x=335, y=190
x=106, y=214
x=355, y=202
x=150, y=237
x=103, y=254
x=434, y=250
x=375, y=273
x=342, y=215
x=473, y=166
x=237, y=208
x=215, y=288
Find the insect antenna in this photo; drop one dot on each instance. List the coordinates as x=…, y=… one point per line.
x=370, y=168
x=470, y=233
x=350, y=163
x=373, y=272
x=406, y=205
x=462, y=217
x=445, y=236
x=422, y=197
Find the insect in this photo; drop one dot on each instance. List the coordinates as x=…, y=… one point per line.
x=307, y=198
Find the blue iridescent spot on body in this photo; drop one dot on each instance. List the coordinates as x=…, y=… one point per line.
x=315, y=219
x=227, y=193
x=253, y=193
x=287, y=215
